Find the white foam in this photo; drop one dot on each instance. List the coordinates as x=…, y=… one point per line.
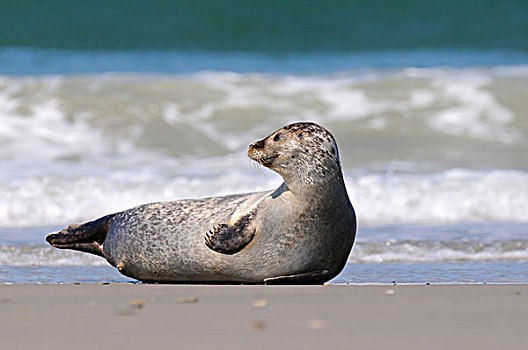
x=59, y=200
x=373, y=252
x=456, y=195
x=454, y=102
x=46, y=256
x=452, y=196
x=438, y=251
x=77, y=147
x=475, y=112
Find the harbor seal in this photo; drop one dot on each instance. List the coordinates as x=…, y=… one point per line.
x=300, y=233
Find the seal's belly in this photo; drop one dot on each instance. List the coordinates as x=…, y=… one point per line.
x=165, y=242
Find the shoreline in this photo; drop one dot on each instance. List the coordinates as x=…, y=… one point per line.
x=243, y=285
x=387, y=273
x=484, y=316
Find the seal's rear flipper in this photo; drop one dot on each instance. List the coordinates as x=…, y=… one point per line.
x=313, y=277
x=88, y=237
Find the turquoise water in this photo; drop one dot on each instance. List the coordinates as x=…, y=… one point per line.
x=39, y=61
x=106, y=105
x=265, y=26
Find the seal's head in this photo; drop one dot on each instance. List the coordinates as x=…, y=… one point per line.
x=303, y=153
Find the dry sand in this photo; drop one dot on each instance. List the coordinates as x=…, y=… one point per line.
x=91, y=316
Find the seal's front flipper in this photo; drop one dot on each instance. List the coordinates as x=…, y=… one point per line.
x=230, y=239
x=313, y=277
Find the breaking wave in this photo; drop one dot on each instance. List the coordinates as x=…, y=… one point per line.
x=417, y=145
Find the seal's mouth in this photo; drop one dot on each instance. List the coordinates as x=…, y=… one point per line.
x=262, y=159
x=267, y=161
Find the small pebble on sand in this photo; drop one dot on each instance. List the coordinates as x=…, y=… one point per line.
x=187, y=300
x=260, y=303
x=137, y=303
x=259, y=325
x=317, y=324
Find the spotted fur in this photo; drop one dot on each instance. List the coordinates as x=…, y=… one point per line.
x=301, y=232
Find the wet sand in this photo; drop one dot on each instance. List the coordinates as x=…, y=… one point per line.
x=89, y=316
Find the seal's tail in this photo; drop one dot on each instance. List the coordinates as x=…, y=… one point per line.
x=88, y=237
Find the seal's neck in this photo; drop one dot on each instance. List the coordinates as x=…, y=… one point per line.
x=318, y=183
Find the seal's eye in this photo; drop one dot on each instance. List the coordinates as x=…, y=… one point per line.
x=277, y=137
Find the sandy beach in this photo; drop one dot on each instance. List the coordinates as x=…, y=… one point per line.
x=109, y=105
x=228, y=317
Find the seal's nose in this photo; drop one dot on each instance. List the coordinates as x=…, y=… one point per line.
x=257, y=144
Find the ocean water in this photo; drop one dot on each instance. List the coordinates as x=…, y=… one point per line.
x=431, y=120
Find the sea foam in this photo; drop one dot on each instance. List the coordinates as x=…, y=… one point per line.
x=417, y=145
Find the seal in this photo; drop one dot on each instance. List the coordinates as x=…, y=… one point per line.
x=299, y=233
